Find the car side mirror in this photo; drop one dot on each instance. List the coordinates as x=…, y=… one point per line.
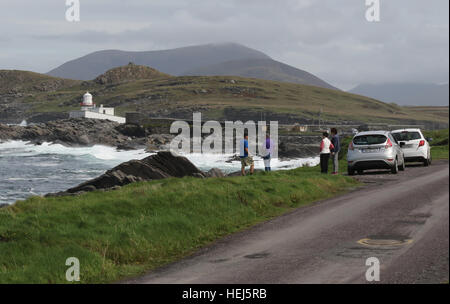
x=429, y=139
x=402, y=144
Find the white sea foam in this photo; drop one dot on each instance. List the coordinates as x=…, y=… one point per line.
x=22, y=148
x=209, y=161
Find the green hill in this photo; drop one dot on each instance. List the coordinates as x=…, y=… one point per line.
x=15, y=81
x=217, y=97
x=130, y=72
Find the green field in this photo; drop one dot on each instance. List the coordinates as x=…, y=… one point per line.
x=142, y=226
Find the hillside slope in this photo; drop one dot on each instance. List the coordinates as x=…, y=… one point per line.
x=262, y=69
x=15, y=81
x=216, y=97
x=18, y=86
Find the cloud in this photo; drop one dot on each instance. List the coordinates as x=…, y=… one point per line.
x=328, y=38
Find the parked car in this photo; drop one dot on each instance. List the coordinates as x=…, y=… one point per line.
x=415, y=146
x=374, y=150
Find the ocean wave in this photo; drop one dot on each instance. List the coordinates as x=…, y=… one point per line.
x=24, y=149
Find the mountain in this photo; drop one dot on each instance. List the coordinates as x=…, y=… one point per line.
x=174, y=61
x=262, y=69
x=408, y=94
x=211, y=59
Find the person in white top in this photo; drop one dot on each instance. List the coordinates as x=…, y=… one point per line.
x=325, y=150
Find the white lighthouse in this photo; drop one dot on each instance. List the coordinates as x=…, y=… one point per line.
x=87, y=100
x=89, y=110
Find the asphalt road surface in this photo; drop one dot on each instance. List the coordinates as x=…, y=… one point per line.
x=402, y=220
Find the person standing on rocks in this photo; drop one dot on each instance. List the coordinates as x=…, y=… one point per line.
x=335, y=140
x=246, y=159
x=325, y=150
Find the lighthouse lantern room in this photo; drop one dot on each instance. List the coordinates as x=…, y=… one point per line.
x=87, y=100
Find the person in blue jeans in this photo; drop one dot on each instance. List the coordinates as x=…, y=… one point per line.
x=335, y=140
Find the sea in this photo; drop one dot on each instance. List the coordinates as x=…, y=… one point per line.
x=28, y=170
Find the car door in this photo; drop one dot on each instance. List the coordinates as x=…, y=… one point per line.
x=398, y=149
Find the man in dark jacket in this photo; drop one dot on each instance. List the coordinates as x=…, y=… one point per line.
x=335, y=151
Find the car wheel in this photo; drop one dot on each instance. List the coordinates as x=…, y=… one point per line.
x=351, y=172
x=426, y=162
x=402, y=167
x=394, y=168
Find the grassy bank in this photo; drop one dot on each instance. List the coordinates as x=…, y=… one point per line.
x=145, y=225
x=439, y=145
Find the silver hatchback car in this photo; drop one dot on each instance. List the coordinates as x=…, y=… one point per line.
x=374, y=150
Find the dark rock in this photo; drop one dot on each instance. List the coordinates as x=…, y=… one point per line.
x=131, y=130
x=88, y=188
x=46, y=117
x=215, y=172
x=125, y=147
x=159, y=166
x=199, y=175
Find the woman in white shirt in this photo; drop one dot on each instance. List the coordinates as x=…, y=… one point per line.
x=325, y=150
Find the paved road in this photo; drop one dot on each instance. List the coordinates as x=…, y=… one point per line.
x=319, y=244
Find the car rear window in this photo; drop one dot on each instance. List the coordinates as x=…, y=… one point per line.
x=406, y=136
x=374, y=139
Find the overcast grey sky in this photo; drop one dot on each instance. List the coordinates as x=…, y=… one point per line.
x=329, y=38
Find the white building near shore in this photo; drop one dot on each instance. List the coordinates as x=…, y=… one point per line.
x=90, y=110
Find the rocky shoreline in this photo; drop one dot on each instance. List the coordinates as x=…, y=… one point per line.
x=83, y=132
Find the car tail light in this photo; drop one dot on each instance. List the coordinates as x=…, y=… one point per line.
x=350, y=146
x=388, y=144
x=422, y=143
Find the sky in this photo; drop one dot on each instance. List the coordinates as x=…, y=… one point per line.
x=329, y=38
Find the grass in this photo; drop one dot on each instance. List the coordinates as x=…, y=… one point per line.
x=142, y=226
x=439, y=145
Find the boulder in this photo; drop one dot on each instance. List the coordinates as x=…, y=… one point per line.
x=215, y=172
x=158, y=166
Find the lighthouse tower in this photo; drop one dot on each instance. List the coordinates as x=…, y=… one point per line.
x=87, y=101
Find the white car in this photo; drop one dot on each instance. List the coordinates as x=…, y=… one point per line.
x=414, y=145
x=374, y=150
